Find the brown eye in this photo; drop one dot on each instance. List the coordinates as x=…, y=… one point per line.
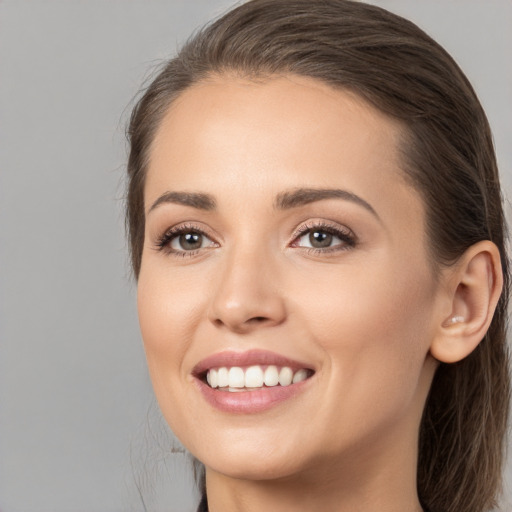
x=189, y=241
x=326, y=239
x=320, y=239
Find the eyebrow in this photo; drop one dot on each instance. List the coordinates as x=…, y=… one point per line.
x=194, y=199
x=303, y=196
x=284, y=200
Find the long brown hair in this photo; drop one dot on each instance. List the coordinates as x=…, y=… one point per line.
x=447, y=154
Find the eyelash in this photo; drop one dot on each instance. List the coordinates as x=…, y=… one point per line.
x=346, y=236
x=164, y=242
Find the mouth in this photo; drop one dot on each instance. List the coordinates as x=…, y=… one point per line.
x=250, y=381
x=236, y=379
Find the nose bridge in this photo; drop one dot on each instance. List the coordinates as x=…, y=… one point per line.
x=247, y=291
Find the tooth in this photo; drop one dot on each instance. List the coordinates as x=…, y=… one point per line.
x=222, y=377
x=236, y=377
x=285, y=376
x=300, y=376
x=254, y=377
x=211, y=377
x=271, y=377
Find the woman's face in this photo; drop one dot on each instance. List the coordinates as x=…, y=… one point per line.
x=282, y=242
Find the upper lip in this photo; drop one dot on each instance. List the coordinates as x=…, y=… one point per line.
x=248, y=358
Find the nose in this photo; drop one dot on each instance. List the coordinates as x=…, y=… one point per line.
x=247, y=294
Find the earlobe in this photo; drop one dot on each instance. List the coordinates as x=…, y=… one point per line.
x=474, y=289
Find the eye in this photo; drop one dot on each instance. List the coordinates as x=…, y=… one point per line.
x=324, y=238
x=189, y=241
x=184, y=241
x=318, y=239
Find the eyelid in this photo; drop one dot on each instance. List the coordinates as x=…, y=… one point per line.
x=344, y=233
x=163, y=241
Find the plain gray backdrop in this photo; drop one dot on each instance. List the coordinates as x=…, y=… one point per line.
x=79, y=430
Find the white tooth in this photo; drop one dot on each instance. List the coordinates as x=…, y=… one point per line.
x=236, y=377
x=254, y=377
x=285, y=376
x=300, y=376
x=271, y=376
x=222, y=377
x=211, y=377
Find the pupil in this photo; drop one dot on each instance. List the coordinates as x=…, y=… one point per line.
x=191, y=241
x=320, y=239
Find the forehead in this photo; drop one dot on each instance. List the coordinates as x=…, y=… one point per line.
x=239, y=136
x=225, y=109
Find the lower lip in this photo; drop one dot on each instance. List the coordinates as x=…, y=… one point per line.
x=247, y=402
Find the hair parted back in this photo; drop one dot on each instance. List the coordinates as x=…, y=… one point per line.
x=447, y=155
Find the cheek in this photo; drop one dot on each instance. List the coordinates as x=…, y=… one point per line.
x=375, y=331
x=168, y=301
x=168, y=308
x=371, y=304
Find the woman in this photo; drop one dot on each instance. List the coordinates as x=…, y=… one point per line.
x=316, y=228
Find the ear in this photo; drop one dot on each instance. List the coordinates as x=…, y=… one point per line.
x=474, y=286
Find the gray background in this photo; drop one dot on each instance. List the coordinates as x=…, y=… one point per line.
x=77, y=419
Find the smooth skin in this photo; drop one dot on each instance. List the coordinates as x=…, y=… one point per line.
x=367, y=309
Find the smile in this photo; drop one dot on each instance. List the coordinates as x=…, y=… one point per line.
x=236, y=378
x=250, y=382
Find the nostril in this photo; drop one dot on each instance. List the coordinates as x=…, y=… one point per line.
x=254, y=321
x=257, y=320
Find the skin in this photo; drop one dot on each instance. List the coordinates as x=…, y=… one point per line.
x=363, y=315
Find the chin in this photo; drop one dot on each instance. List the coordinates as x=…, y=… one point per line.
x=255, y=470
x=251, y=461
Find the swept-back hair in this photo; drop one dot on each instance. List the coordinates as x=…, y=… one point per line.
x=447, y=155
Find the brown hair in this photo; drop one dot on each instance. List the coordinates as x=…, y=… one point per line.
x=447, y=155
